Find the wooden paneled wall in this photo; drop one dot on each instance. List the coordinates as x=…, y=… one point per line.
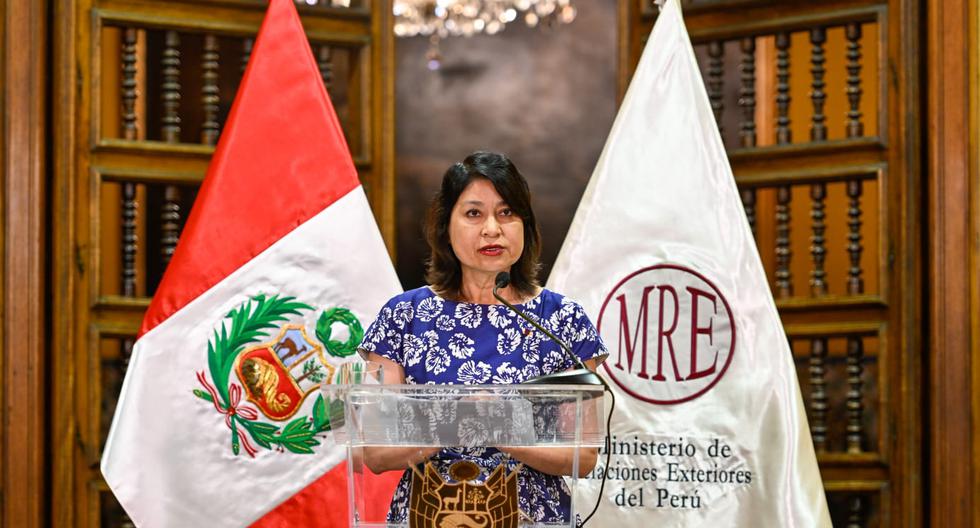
x=141, y=92
x=24, y=467
x=952, y=223
x=928, y=398
x=819, y=108
x=918, y=454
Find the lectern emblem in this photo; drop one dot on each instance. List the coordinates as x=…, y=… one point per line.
x=276, y=375
x=465, y=503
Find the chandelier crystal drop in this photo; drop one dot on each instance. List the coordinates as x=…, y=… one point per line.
x=452, y=18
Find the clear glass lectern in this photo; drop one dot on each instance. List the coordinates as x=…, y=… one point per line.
x=446, y=416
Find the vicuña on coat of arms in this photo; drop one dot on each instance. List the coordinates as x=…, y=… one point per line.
x=275, y=375
x=464, y=503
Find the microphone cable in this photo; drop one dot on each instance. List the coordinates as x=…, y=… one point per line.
x=501, y=281
x=608, y=445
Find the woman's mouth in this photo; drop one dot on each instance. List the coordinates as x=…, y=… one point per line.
x=491, y=250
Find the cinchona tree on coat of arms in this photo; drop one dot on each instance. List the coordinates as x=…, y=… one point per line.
x=275, y=375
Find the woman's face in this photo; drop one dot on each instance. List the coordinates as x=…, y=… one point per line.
x=485, y=234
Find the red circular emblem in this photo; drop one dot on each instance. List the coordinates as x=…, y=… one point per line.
x=670, y=334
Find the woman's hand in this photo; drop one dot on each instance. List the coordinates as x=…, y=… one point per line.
x=555, y=460
x=381, y=459
x=558, y=460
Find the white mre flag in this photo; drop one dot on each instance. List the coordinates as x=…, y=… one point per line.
x=710, y=428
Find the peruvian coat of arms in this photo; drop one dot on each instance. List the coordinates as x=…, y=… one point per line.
x=463, y=502
x=262, y=366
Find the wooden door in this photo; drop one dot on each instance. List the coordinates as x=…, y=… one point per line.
x=818, y=106
x=141, y=90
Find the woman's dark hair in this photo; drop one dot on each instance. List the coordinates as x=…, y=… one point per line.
x=443, y=271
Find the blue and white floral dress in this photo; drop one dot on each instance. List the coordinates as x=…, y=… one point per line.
x=438, y=341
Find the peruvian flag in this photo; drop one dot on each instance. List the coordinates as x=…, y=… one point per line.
x=279, y=269
x=709, y=428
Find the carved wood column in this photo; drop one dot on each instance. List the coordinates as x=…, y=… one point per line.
x=23, y=28
x=973, y=271
x=953, y=252
x=383, y=62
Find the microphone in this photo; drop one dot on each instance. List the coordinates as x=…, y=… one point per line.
x=578, y=376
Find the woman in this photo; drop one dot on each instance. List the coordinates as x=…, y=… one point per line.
x=454, y=331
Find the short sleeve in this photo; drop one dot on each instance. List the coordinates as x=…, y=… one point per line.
x=383, y=337
x=582, y=335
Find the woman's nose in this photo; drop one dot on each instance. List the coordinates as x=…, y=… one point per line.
x=491, y=227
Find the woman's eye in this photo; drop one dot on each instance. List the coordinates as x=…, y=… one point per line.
x=506, y=212
x=472, y=213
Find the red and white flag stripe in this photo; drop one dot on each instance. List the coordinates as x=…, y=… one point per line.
x=281, y=214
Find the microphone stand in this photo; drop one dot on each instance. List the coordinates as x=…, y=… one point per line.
x=578, y=376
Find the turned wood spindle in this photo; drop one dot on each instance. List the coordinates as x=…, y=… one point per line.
x=210, y=92
x=856, y=517
x=170, y=222
x=855, y=405
x=854, y=126
x=130, y=131
x=784, y=282
x=246, y=52
x=748, y=202
x=130, y=127
x=130, y=239
x=818, y=127
x=170, y=88
x=323, y=61
x=170, y=93
x=855, y=281
x=126, y=522
x=818, y=248
x=818, y=393
x=715, y=82
x=126, y=352
x=747, y=93
x=783, y=133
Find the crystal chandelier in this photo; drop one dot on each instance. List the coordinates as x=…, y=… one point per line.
x=445, y=18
